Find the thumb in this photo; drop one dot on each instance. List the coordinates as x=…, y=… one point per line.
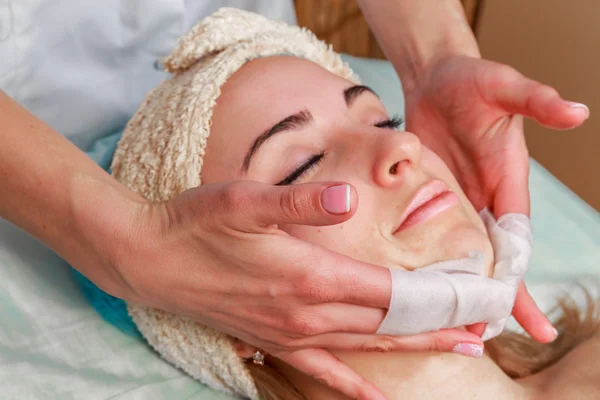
x=512, y=194
x=517, y=94
x=324, y=203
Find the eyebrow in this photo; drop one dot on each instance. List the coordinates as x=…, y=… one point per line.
x=294, y=121
x=351, y=93
x=297, y=121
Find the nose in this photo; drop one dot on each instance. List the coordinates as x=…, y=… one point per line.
x=396, y=154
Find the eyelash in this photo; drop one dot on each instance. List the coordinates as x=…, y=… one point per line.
x=310, y=164
x=391, y=123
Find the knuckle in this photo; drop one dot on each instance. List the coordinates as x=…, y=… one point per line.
x=316, y=285
x=382, y=344
x=318, y=292
x=316, y=289
x=295, y=204
x=234, y=197
x=302, y=325
x=436, y=344
x=327, y=378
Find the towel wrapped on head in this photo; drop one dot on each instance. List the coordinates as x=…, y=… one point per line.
x=161, y=151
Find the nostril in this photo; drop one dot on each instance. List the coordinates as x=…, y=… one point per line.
x=394, y=169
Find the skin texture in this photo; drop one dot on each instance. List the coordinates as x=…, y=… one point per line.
x=361, y=154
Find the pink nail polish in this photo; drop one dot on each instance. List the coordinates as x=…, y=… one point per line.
x=336, y=199
x=469, y=350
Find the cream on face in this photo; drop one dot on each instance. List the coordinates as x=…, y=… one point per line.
x=286, y=120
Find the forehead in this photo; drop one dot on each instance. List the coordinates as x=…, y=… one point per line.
x=260, y=94
x=276, y=79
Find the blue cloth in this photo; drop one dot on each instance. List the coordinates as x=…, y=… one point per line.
x=110, y=308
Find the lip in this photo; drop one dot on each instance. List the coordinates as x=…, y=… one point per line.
x=431, y=199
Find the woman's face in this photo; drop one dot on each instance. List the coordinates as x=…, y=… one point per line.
x=326, y=129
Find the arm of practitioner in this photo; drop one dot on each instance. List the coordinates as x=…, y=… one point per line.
x=469, y=110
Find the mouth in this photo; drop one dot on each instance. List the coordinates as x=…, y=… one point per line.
x=430, y=200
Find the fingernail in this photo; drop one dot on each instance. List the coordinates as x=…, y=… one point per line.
x=554, y=333
x=578, y=105
x=336, y=199
x=467, y=349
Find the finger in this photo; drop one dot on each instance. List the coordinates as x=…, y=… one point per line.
x=332, y=277
x=443, y=341
x=325, y=203
x=330, y=371
x=334, y=317
x=512, y=193
x=517, y=94
x=559, y=113
x=531, y=318
x=477, y=329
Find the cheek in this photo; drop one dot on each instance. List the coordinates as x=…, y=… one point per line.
x=337, y=238
x=355, y=238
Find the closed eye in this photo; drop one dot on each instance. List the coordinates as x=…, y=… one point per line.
x=311, y=163
x=391, y=123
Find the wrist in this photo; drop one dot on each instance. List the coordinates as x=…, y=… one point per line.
x=107, y=231
x=417, y=34
x=420, y=60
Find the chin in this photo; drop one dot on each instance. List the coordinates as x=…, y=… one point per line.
x=449, y=237
x=464, y=239
x=464, y=231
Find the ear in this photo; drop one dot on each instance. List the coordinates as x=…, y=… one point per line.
x=243, y=349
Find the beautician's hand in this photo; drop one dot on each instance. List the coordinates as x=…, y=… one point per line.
x=215, y=254
x=470, y=112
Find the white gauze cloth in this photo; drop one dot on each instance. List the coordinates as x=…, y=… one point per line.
x=450, y=293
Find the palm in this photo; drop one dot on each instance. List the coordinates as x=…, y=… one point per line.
x=482, y=143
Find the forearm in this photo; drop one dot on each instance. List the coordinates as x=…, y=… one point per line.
x=56, y=193
x=416, y=33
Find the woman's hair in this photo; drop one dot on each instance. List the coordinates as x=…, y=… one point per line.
x=516, y=354
x=519, y=356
